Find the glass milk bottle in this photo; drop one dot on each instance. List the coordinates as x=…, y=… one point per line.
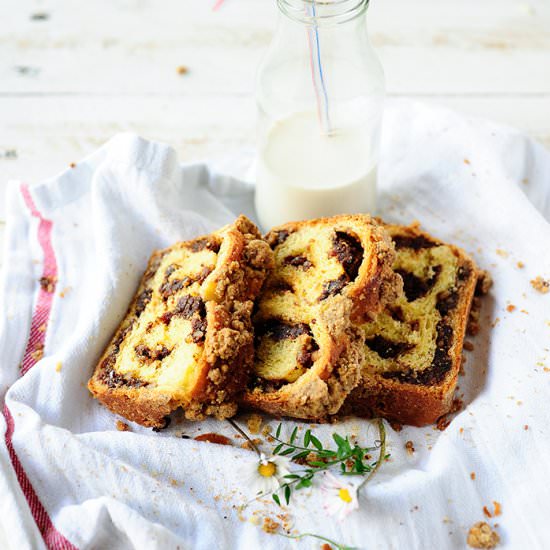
x=320, y=96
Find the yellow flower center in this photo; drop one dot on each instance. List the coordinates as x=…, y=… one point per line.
x=344, y=495
x=267, y=470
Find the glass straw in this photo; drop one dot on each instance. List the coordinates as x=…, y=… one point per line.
x=317, y=74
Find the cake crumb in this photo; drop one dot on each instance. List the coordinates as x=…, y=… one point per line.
x=498, y=508
x=520, y=265
x=65, y=291
x=443, y=423
x=249, y=445
x=58, y=366
x=466, y=161
x=270, y=526
x=526, y=427
x=487, y=512
x=409, y=445
x=482, y=536
x=396, y=426
x=472, y=475
x=510, y=308
x=42, y=327
x=254, y=423
x=182, y=69
x=72, y=165
x=47, y=283
x=468, y=346
x=502, y=253
x=38, y=353
x=122, y=426
x=326, y=546
x=540, y=285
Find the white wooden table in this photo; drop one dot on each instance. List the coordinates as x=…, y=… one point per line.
x=72, y=74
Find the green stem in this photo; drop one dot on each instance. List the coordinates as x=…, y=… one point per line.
x=381, y=455
x=245, y=435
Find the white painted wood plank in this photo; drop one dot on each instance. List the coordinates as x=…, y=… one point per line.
x=135, y=47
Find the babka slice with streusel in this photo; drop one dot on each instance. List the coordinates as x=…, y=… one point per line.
x=413, y=348
x=327, y=272
x=187, y=338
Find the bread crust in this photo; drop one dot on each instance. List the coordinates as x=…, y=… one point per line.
x=323, y=388
x=413, y=403
x=222, y=368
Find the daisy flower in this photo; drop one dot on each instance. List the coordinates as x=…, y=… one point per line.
x=340, y=498
x=266, y=475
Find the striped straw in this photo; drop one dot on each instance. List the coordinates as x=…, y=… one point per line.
x=317, y=74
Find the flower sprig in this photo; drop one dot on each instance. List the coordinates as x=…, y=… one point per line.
x=350, y=458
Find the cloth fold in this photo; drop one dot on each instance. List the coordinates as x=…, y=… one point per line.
x=76, y=246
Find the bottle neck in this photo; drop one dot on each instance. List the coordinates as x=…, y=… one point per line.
x=322, y=13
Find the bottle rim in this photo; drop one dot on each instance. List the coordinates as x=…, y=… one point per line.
x=322, y=12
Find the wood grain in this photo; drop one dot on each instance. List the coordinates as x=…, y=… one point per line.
x=73, y=74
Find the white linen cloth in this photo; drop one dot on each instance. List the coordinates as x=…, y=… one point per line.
x=470, y=182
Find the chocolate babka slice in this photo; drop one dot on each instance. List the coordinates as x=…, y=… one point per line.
x=308, y=353
x=187, y=338
x=413, y=348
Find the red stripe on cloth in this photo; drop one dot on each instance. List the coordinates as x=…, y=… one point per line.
x=52, y=537
x=37, y=336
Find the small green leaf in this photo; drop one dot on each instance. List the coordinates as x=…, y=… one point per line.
x=287, y=451
x=276, y=498
x=338, y=439
x=277, y=449
x=318, y=464
x=279, y=428
x=303, y=483
x=318, y=445
x=287, y=494
x=307, y=438
x=292, y=476
x=294, y=434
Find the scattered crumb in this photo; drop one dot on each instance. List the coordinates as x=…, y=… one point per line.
x=326, y=546
x=42, y=327
x=214, y=438
x=524, y=311
x=468, y=346
x=502, y=253
x=72, y=165
x=173, y=482
x=396, y=427
x=443, y=423
x=182, y=69
x=47, y=284
x=254, y=423
x=270, y=526
x=510, y=308
x=498, y=508
x=461, y=431
x=520, y=265
x=525, y=181
x=447, y=519
x=541, y=285
x=409, y=445
x=58, y=366
x=482, y=536
x=122, y=426
x=472, y=475
x=526, y=427
x=65, y=291
x=487, y=512
x=38, y=353
x=466, y=161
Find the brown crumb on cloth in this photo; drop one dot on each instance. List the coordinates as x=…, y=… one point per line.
x=47, y=284
x=540, y=285
x=482, y=536
x=409, y=446
x=270, y=526
x=254, y=423
x=122, y=426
